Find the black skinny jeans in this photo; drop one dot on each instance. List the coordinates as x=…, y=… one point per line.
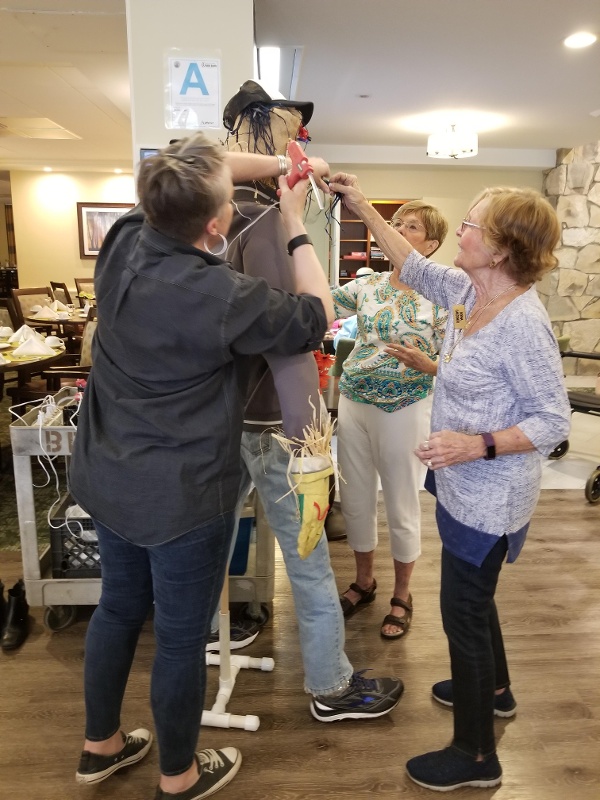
x=477, y=655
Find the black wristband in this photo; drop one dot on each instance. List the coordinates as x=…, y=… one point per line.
x=304, y=238
x=491, y=446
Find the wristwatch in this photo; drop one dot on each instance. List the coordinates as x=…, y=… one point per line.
x=297, y=241
x=491, y=446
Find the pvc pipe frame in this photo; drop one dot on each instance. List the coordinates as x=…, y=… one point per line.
x=229, y=665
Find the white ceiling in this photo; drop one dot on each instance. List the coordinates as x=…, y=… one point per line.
x=66, y=60
x=413, y=57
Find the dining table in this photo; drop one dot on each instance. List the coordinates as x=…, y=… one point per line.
x=69, y=328
x=75, y=320
x=24, y=366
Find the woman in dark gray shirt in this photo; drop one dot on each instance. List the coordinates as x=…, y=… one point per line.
x=156, y=457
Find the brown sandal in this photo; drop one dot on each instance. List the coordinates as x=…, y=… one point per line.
x=402, y=623
x=366, y=596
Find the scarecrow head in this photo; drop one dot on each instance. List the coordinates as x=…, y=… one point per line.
x=259, y=123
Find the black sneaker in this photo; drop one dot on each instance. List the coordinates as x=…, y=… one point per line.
x=505, y=704
x=216, y=767
x=94, y=768
x=364, y=698
x=444, y=770
x=241, y=633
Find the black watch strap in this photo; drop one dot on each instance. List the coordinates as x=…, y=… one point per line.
x=491, y=446
x=297, y=241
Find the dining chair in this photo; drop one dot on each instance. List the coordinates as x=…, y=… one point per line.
x=8, y=315
x=21, y=302
x=74, y=367
x=8, y=319
x=332, y=393
x=84, y=285
x=24, y=299
x=68, y=332
x=61, y=293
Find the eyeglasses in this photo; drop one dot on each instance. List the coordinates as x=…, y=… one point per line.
x=465, y=223
x=413, y=227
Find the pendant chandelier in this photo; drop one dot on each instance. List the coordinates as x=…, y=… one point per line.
x=452, y=142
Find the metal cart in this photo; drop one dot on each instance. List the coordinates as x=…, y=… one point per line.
x=256, y=587
x=60, y=596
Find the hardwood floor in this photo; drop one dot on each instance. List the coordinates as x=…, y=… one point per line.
x=549, y=603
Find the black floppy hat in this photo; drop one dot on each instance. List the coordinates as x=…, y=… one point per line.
x=250, y=93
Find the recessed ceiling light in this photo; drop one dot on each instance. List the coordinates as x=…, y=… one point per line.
x=118, y=171
x=580, y=39
x=47, y=169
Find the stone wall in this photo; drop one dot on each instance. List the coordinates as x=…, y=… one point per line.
x=571, y=292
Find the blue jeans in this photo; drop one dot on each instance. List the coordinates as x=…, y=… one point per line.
x=183, y=578
x=476, y=648
x=316, y=599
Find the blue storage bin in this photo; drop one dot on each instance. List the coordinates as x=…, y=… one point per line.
x=239, y=559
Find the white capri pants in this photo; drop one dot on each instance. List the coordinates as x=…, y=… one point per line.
x=375, y=444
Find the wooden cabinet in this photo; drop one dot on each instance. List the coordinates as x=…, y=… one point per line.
x=357, y=247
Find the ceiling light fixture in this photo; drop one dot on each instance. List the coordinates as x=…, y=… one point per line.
x=47, y=169
x=452, y=142
x=580, y=39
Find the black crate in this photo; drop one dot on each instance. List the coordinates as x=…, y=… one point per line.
x=73, y=544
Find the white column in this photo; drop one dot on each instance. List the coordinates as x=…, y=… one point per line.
x=191, y=29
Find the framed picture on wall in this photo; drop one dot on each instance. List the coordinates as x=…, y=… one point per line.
x=94, y=221
x=147, y=152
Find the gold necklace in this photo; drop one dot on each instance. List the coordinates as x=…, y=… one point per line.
x=472, y=320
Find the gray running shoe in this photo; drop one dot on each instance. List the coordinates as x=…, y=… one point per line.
x=364, y=698
x=242, y=632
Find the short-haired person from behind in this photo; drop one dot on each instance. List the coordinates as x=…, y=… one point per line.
x=156, y=457
x=500, y=407
x=383, y=413
x=283, y=393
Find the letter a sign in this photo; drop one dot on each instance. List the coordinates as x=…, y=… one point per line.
x=194, y=93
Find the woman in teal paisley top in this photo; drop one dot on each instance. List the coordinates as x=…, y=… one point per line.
x=383, y=414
